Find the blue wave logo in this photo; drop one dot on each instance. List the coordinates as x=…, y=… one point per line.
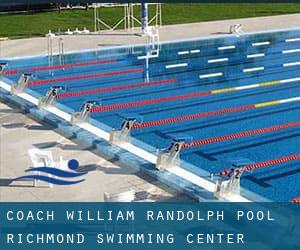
x=62, y=174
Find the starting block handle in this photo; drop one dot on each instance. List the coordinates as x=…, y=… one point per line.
x=3, y=65
x=50, y=97
x=169, y=157
x=84, y=113
x=122, y=135
x=22, y=83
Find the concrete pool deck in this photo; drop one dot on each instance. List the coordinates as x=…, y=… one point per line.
x=19, y=133
x=108, y=177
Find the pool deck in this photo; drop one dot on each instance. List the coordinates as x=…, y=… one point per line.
x=18, y=133
x=38, y=45
x=106, y=176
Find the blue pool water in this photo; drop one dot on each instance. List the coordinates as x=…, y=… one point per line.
x=237, y=61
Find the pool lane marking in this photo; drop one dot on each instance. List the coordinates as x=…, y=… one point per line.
x=290, y=51
x=225, y=59
x=80, y=77
x=176, y=119
x=291, y=64
x=150, y=157
x=238, y=135
x=261, y=44
x=147, y=56
x=256, y=55
x=253, y=69
x=195, y=51
x=292, y=40
x=178, y=65
x=210, y=75
x=187, y=96
x=226, y=47
x=186, y=52
x=65, y=66
x=116, y=88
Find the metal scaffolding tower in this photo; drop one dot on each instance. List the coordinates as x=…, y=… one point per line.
x=129, y=20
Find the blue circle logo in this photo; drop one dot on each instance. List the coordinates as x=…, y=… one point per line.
x=73, y=164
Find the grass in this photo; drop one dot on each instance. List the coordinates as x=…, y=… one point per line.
x=38, y=24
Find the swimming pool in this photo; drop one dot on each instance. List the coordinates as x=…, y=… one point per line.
x=232, y=99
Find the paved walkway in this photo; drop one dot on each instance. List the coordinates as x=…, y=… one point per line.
x=35, y=46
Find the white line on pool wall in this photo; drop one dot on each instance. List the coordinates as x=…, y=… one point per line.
x=261, y=43
x=217, y=60
x=290, y=51
x=253, y=69
x=292, y=40
x=211, y=75
x=226, y=47
x=179, y=65
x=256, y=55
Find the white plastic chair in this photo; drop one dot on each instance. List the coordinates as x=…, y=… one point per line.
x=42, y=158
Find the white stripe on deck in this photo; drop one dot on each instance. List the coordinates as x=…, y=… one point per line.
x=256, y=55
x=179, y=65
x=253, y=69
x=218, y=60
x=226, y=47
x=292, y=40
x=261, y=43
x=290, y=51
x=291, y=64
x=211, y=75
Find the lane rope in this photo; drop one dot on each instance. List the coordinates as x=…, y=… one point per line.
x=240, y=135
x=65, y=66
x=296, y=200
x=211, y=113
x=80, y=77
x=269, y=163
x=111, y=89
x=188, y=96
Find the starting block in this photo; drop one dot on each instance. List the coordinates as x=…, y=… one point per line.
x=122, y=135
x=3, y=65
x=22, y=84
x=50, y=97
x=230, y=184
x=84, y=113
x=170, y=157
